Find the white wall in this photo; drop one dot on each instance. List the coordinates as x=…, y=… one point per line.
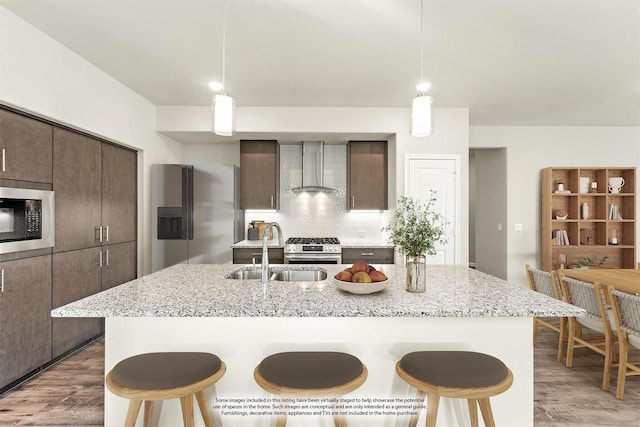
x=530, y=149
x=451, y=135
x=39, y=75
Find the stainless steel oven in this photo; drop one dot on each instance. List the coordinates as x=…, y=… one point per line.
x=312, y=250
x=26, y=219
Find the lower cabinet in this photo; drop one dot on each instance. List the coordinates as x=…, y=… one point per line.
x=369, y=255
x=247, y=255
x=25, y=317
x=78, y=274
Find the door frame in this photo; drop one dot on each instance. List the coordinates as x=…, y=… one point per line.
x=458, y=186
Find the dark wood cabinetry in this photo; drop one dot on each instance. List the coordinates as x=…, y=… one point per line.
x=25, y=322
x=25, y=148
x=259, y=174
x=367, y=176
x=367, y=254
x=246, y=255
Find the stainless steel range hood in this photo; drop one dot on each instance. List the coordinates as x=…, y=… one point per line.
x=312, y=168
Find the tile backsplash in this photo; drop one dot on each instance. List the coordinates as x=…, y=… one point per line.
x=319, y=214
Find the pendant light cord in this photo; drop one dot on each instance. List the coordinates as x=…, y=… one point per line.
x=421, y=41
x=224, y=43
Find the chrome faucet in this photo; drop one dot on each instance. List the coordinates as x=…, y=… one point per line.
x=265, y=250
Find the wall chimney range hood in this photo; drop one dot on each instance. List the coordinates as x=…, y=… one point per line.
x=312, y=168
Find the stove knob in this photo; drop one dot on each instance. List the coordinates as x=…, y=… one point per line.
x=291, y=248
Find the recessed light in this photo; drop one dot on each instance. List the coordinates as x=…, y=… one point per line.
x=216, y=86
x=422, y=87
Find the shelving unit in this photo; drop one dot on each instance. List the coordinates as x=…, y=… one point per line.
x=592, y=236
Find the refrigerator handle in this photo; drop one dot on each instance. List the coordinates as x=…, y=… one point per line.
x=187, y=203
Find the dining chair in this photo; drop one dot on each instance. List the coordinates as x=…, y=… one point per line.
x=626, y=314
x=547, y=283
x=591, y=297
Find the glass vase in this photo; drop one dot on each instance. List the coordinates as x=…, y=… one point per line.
x=416, y=273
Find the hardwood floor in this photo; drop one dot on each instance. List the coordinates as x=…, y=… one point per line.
x=71, y=392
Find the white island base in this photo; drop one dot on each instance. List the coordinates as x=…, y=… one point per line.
x=242, y=342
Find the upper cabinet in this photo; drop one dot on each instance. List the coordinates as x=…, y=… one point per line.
x=259, y=174
x=367, y=175
x=25, y=148
x=588, y=213
x=96, y=192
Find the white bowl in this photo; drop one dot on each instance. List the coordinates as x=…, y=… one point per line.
x=360, y=288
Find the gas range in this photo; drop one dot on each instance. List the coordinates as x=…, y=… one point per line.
x=312, y=250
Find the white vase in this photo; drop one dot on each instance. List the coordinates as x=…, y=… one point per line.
x=416, y=273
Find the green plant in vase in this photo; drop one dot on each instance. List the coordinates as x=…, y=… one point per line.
x=416, y=229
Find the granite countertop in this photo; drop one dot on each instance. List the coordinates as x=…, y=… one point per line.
x=203, y=291
x=345, y=243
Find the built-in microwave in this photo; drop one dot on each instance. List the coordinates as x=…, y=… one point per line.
x=26, y=219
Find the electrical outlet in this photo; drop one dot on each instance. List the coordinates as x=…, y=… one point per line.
x=499, y=226
x=517, y=227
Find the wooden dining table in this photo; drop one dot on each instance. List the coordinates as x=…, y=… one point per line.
x=623, y=279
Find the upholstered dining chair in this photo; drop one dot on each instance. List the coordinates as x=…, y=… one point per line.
x=547, y=283
x=626, y=314
x=591, y=297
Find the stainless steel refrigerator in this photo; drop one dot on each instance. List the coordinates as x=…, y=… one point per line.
x=196, y=214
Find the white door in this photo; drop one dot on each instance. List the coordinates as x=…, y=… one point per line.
x=424, y=173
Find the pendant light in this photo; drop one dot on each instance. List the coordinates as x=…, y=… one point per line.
x=223, y=104
x=421, y=111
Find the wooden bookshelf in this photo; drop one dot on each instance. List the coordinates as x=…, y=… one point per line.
x=591, y=236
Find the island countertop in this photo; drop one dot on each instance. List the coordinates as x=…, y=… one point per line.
x=203, y=291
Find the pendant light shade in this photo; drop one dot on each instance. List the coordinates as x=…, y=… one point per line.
x=421, y=116
x=421, y=111
x=223, y=118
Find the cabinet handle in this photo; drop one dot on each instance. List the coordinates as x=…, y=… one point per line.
x=99, y=232
x=107, y=236
x=353, y=201
x=366, y=253
x=256, y=254
x=3, y=161
x=271, y=201
x=2, y=277
x=107, y=258
x=100, y=260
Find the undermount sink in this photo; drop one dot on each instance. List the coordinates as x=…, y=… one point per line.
x=300, y=275
x=281, y=274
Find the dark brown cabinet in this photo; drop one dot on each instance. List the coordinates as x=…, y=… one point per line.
x=25, y=322
x=77, y=183
x=247, y=255
x=118, y=264
x=367, y=176
x=96, y=192
x=25, y=148
x=259, y=174
x=368, y=255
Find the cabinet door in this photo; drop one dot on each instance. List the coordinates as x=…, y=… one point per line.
x=26, y=148
x=367, y=177
x=368, y=255
x=76, y=274
x=259, y=175
x=25, y=317
x=119, y=264
x=76, y=181
x=119, y=194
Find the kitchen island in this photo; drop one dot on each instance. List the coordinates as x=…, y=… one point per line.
x=195, y=308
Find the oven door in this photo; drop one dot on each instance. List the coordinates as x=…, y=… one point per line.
x=312, y=258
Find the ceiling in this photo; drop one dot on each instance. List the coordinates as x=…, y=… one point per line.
x=511, y=62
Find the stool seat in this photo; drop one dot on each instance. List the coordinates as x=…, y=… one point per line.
x=458, y=374
x=310, y=370
x=311, y=373
x=460, y=369
x=158, y=376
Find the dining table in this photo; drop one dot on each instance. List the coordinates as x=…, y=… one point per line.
x=623, y=279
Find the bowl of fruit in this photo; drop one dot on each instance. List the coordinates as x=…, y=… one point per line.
x=361, y=278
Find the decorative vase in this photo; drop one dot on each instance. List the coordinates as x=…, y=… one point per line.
x=416, y=273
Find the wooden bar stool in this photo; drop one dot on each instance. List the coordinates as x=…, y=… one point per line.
x=310, y=374
x=158, y=376
x=460, y=374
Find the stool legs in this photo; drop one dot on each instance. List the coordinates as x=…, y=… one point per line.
x=433, y=400
x=473, y=411
x=132, y=413
x=201, y=398
x=487, y=414
x=148, y=412
x=186, y=402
